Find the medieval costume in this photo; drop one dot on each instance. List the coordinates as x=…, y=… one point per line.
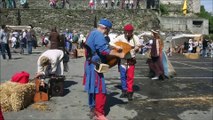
x=127, y=65
x=94, y=82
x=96, y=48
x=54, y=38
x=156, y=64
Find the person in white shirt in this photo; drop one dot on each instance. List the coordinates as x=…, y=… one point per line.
x=24, y=33
x=190, y=46
x=127, y=65
x=50, y=62
x=14, y=41
x=4, y=42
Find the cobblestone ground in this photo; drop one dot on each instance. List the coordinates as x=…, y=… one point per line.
x=187, y=96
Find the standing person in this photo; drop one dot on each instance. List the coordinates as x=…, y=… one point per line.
x=131, y=4
x=52, y=3
x=4, y=42
x=106, y=3
x=91, y=5
x=3, y=4
x=127, y=65
x=117, y=3
x=137, y=4
x=54, y=39
x=24, y=3
x=211, y=48
x=97, y=47
x=50, y=62
x=11, y=4
x=29, y=39
x=23, y=42
x=186, y=47
x=204, y=49
x=190, y=46
x=150, y=4
x=112, y=4
x=127, y=4
x=156, y=56
x=75, y=37
x=68, y=40
x=14, y=41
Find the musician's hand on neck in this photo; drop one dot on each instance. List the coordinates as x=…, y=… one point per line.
x=136, y=49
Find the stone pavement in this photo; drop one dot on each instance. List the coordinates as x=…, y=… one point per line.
x=187, y=96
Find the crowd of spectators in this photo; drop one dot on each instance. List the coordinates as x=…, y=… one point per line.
x=90, y=4
x=203, y=47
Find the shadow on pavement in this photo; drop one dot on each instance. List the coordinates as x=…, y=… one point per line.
x=111, y=101
x=135, y=87
x=67, y=84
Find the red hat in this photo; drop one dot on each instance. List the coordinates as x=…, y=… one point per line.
x=128, y=27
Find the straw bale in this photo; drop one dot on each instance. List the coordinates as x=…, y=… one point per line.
x=191, y=55
x=17, y=95
x=5, y=104
x=41, y=107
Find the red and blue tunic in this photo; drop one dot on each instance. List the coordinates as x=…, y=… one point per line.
x=94, y=82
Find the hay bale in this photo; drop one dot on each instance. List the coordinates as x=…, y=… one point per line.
x=18, y=96
x=41, y=107
x=192, y=55
x=5, y=104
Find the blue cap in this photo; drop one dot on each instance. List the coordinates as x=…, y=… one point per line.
x=106, y=23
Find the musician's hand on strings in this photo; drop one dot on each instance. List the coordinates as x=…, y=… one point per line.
x=119, y=49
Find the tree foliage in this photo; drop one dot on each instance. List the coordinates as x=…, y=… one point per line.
x=206, y=15
x=163, y=9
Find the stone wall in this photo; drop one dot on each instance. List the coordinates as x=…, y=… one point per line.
x=192, y=25
x=82, y=20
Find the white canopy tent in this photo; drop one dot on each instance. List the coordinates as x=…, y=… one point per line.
x=19, y=27
x=180, y=39
x=186, y=36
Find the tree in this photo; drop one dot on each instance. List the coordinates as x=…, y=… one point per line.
x=204, y=14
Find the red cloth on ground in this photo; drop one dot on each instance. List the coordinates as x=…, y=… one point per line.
x=21, y=77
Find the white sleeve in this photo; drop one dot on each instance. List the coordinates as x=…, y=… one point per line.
x=137, y=41
x=40, y=68
x=55, y=62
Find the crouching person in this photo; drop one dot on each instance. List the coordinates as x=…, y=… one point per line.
x=50, y=62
